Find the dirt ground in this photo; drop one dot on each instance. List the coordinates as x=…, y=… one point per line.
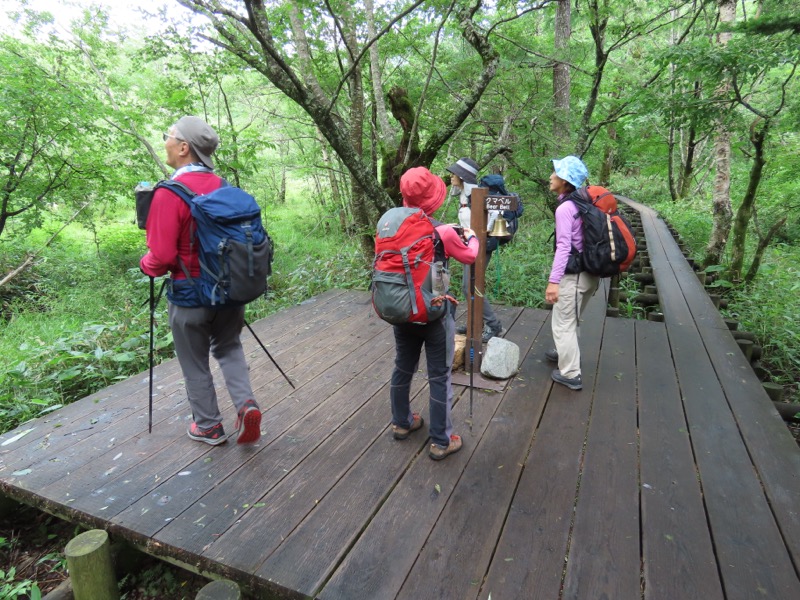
x=32, y=544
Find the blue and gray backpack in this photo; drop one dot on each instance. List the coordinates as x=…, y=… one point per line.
x=235, y=250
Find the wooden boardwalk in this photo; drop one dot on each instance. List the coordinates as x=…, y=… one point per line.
x=669, y=476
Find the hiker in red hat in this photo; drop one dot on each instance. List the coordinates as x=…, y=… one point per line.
x=424, y=190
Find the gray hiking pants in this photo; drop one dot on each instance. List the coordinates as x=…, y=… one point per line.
x=198, y=332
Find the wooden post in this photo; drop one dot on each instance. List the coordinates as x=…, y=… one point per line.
x=774, y=391
x=475, y=307
x=90, y=568
x=222, y=589
x=747, y=348
x=613, y=297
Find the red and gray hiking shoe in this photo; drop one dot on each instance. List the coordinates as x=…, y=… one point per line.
x=248, y=423
x=213, y=436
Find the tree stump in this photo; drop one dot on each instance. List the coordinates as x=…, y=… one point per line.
x=732, y=324
x=701, y=277
x=715, y=298
x=655, y=316
x=613, y=297
x=612, y=311
x=222, y=589
x=90, y=567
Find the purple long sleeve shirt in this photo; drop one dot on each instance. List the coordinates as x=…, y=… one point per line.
x=568, y=235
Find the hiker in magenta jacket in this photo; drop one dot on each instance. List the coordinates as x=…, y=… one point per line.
x=424, y=190
x=568, y=289
x=197, y=330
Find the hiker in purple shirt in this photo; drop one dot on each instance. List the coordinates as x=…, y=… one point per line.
x=569, y=289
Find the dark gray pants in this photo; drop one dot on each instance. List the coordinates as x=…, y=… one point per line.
x=438, y=338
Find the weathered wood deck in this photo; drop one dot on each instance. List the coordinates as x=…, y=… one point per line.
x=669, y=476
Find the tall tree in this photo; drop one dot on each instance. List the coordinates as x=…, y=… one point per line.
x=561, y=77
x=259, y=38
x=721, y=199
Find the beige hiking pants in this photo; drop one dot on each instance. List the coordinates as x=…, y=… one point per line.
x=574, y=293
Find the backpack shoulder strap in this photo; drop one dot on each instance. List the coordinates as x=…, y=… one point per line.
x=178, y=188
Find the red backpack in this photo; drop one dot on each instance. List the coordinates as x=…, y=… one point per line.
x=609, y=246
x=403, y=280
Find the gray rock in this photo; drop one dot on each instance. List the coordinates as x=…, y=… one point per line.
x=501, y=359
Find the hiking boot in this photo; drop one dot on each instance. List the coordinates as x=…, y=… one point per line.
x=213, y=436
x=551, y=355
x=574, y=384
x=438, y=452
x=248, y=423
x=489, y=333
x=401, y=433
x=461, y=329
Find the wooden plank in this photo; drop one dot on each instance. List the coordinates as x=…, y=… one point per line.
x=459, y=549
x=750, y=550
x=677, y=551
x=111, y=440
x=772, y=448
x=673, y=304
x=341, y=364
x=603, y=559
x=380, y=560
x=314, y=549
x=703, y=310
x=308, y=517
x=529, y=558
x=95, y=413
x=114, y=488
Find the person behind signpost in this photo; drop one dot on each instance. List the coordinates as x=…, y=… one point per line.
x=569, y=289
x=197, y=330
x=422, y=189
x=463, y=179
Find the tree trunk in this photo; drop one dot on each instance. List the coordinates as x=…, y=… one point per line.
x=598, y=30
x=365, y=212
x=561, y=79
x=687, y=169
x=758, y=134
x=387, y=133
x=721, y=201
x=763, y=243
x=609, y=156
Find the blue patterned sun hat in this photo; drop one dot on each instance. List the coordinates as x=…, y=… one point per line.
x=571, y=169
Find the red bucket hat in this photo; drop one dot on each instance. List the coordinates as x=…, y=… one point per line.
x=422, y=189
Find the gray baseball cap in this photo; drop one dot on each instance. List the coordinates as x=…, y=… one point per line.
x=199, y=135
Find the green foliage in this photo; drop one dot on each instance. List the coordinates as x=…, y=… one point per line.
x=11, y=588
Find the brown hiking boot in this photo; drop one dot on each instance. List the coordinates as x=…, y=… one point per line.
x=401, y=433
x=438, y=452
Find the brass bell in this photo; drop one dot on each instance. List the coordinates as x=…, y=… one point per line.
x=500, y=228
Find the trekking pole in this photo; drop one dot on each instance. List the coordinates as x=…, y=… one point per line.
x=152, y=325
x=264, y=348
x=472, y=337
